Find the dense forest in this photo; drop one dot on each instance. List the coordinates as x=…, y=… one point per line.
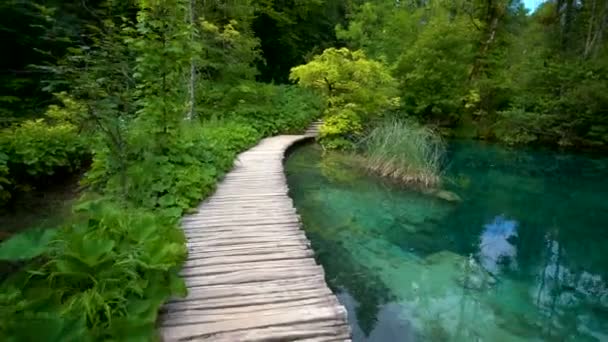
x=153, y=99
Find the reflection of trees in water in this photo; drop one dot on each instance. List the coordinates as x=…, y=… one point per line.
x=359, y=281
x=564, y=297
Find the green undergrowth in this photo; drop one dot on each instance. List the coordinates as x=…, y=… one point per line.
x=267, y=108
x=38, y=149
x=177, y=179
x=102, y=277
x=105, y=274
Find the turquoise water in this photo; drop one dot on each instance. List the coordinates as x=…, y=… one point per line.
x=523, y=256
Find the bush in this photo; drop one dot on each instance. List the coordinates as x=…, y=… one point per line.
x=40, y=149
x=405, y=151
x=269, y=109
x=355, y=89
x=180, y=178
x=341, y=126
x=35, y=149
x=96, y=278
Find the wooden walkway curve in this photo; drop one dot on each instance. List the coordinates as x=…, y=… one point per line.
x=250, y=273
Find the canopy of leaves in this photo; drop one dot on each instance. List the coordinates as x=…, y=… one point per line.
x=354, y=87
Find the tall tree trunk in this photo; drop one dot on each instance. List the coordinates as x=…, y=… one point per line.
x=191, y=86
x=567, y=28
x=598, y=19
x=492, y=19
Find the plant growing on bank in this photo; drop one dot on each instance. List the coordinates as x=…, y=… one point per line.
x=101, y=278
x=356, y=89
x=404, y=151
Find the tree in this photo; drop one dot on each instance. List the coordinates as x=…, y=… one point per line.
x=356, y=90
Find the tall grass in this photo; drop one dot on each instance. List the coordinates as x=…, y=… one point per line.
x=405, y=151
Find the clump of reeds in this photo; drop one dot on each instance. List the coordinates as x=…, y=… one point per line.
x=405, y=151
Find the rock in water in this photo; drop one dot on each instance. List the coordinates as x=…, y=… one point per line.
x=475, y=277
x=448, y=196
x=463, y=270
x=444, y=195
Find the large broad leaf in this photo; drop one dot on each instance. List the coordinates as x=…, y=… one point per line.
x=26, y=245
x=53, y=328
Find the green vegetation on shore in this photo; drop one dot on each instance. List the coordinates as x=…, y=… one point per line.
x=406, y=152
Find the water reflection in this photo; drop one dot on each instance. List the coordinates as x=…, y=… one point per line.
x=495, y=248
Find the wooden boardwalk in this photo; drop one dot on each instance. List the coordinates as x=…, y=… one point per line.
x=250, y=272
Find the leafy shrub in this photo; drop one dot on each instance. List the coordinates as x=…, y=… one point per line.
x=405, y=151
x=270, y=109
x=177, y=180
x=110, y=272
x=516, y=126
x=35, y=149
x=40, y=149
x=341, y=126
x=356, y=89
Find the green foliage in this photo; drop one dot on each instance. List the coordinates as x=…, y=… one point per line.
x=5, y=181
x=341, y=126
x=434, y=71
x=187, y=172
x=39, y=149
x=537, y=77
x=35, y=149
x=404, y=151
x=270, y=109
x=230, y=54
x=112, y=270
x=27, y=245
x=355, y=89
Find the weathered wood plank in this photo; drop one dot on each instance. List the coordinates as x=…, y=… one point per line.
x=252, y=275
x=279, y=244
x=253, y=250
x=228, y=241
x=324, y=331
x=199, y=326
x=244, y=289
x=212, y=309
x=204, y=263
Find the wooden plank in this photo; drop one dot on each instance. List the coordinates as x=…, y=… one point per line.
x=273, y=288
x=198, y=254
x=233, y=242
x=323, y=331
x=252, y=276
x=203, y=263
x=210, y=234
x=277, y=244
x=182, y=327
x=252, y=302
x=202, y=224
x=195, y=232
x=259, y=218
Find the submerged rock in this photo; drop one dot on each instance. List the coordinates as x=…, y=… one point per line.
x=475, y=277
x=444, y=195
x=465, y=271
x=448, y=196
